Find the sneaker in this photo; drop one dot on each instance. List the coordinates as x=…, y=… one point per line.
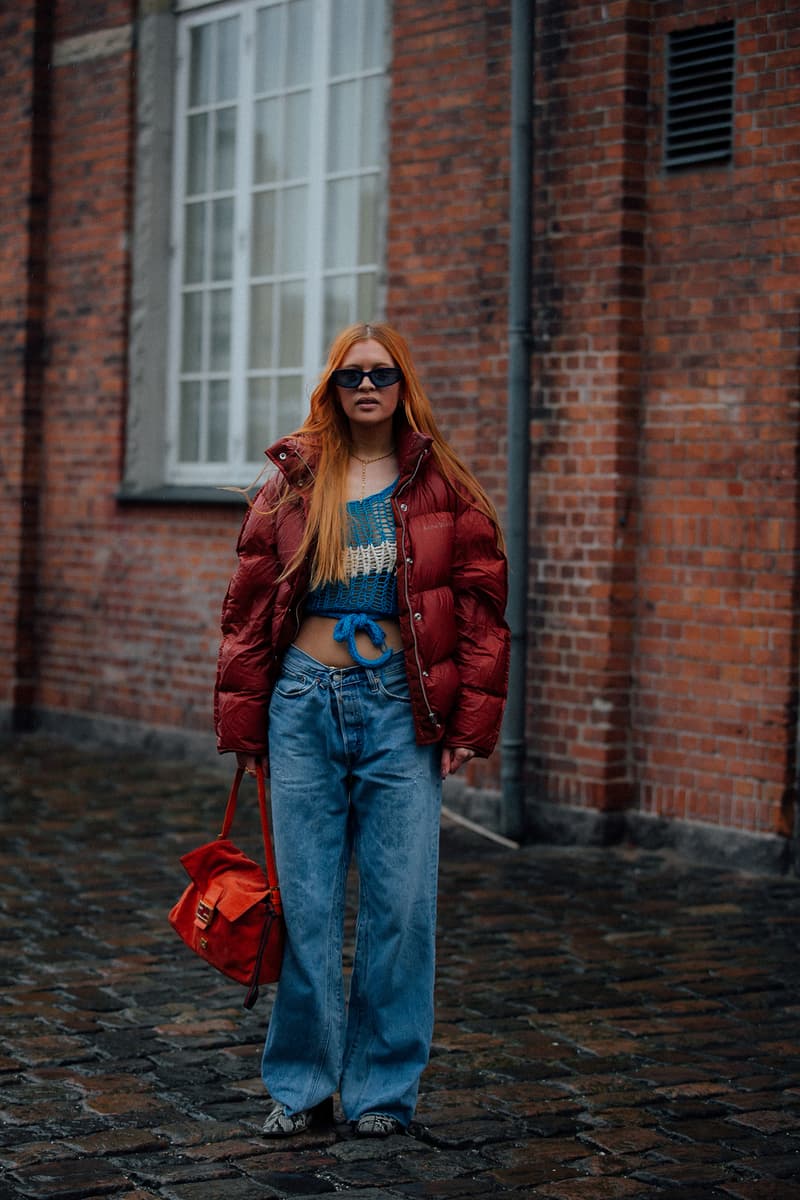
x=279, y=1123
x=378, y=1125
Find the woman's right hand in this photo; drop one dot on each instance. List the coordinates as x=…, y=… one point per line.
x=247, y=762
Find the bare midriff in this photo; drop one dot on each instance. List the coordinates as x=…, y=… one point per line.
x=316, y=638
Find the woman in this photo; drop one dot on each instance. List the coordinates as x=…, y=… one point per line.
x=366, y=654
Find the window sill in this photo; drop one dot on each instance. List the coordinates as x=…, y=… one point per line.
x=177, y=494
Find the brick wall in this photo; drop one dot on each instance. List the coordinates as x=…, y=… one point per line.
x=128, y=598
x=664, y=486
x=716, y=658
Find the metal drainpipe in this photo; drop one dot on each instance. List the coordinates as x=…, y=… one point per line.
x=523, y=15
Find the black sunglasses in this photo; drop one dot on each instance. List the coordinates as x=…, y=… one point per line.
x=381, y=377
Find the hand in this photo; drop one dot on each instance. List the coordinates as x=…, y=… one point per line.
x=454, y=757
x=248, y=762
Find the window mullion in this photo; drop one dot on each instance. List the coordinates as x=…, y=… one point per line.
x=240, y=300
x=177, y=238
x=313, y=349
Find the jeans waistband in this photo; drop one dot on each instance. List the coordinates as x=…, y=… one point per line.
x=298, y=660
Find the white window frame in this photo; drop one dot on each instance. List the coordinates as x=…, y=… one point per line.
x=238, y=469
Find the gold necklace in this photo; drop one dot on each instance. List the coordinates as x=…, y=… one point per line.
x=365, y=462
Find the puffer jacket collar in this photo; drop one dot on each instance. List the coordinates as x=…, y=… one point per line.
x=297, y=459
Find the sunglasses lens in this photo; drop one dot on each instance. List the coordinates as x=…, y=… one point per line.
x=385, y=376
x=347, y=377
x=350, y=377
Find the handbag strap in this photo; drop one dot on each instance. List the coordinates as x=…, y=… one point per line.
x=230, y=813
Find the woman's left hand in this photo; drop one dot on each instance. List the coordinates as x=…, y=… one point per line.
x=454, y=757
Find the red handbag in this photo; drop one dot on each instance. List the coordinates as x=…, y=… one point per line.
x=230, y=914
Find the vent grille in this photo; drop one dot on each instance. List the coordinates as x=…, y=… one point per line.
x=700, y=89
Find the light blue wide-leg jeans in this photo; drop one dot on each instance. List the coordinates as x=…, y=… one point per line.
x=347, y=778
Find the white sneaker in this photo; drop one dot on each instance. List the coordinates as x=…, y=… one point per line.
x=377, y=1125
x=279, y=1123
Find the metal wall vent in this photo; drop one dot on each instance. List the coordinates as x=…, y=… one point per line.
x=701, y=66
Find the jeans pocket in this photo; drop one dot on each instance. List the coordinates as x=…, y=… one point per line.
x=291, y=684
x=395, y=688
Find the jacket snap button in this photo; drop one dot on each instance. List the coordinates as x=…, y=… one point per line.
x=409, y=559
x=417, y=616
x=403, y=508
x=425, y=675
x=282, y=455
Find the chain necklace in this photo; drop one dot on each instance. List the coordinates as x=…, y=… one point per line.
x=365, y=462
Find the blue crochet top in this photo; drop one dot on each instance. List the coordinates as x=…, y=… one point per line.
x=371, y=587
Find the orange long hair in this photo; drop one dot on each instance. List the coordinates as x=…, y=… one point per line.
x=326, y=427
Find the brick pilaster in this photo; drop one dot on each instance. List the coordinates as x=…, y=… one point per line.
x=589, y=260
x=24, y=88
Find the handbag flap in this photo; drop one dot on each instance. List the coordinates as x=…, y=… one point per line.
x=238, y=895
x=225, y=878
x=215, y=858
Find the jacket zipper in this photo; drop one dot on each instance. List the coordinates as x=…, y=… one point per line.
x=400, y=490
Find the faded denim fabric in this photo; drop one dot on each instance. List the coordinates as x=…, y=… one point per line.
x=348, y=779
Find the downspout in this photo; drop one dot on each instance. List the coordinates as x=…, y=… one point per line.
x=26, y=652
x=523, y=17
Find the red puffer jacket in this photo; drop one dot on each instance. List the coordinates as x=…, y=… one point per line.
x=451, y=584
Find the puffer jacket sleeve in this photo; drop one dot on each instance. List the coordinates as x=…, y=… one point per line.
x=241, y=695
x=480, y=589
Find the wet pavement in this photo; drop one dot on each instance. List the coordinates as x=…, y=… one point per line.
x=610, y=1022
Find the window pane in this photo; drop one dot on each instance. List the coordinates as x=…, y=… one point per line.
x=259, y=418
x=189, y=433
x=261, y=304
x=269, y=74
x=197, y=155
x=292, y=314
x=220, y=330
x=340, y=223
x=222, y=240
x=337, y=308
x=266, y=149
x=368, y=220
x=290, y=403
x=200, y=65
x=218, y=391
x=194, y=250
x=293, y=226
x=224, y=149
x=298, y=55
x=192, y=348
x=296, y=136
x=228, y=59
x=374, y=29
x=343, y=148
x=366, y=304
x=262, y=249
x=344, y=36
x=371, y=121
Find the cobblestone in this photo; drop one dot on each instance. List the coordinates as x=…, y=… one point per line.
x=610, y=1022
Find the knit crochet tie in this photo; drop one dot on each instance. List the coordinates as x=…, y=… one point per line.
x=345, y=630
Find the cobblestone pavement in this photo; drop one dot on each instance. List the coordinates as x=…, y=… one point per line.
x=611, y=1023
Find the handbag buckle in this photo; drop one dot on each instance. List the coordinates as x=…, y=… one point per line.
x=204, y=914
